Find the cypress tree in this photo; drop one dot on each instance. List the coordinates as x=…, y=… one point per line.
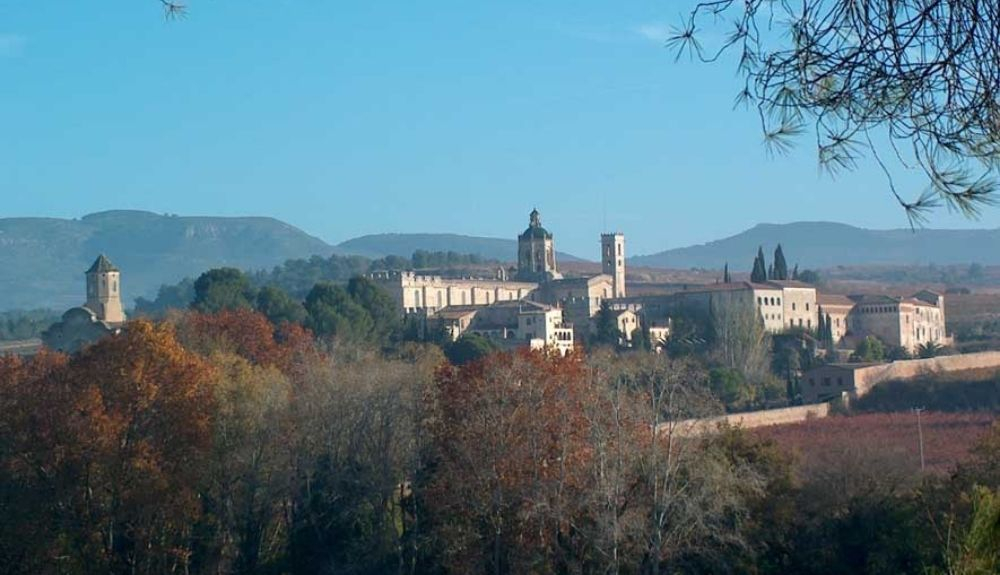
x=780, y=266
x=821, y=326
x=759, y=273
x=726, y=278
x=795, y=272
x=829, y=332
x=770, y=272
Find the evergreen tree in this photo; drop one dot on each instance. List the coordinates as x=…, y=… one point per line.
x=221, y=289
x=780, y=266
x=821, y=326
x=759, y=273
x=828, y=336
x=795, y=272
x=606, y=327
x=726, y=278
x=278, y=306
x=770, y=272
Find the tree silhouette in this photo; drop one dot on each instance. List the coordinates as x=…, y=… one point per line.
x=922, y=76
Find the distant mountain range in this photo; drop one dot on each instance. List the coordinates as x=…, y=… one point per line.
x=42, y=259
x=826, y=244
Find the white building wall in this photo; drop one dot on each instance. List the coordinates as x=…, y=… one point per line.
x=799, y=307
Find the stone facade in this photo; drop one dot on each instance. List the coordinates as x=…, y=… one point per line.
x=798, y=304
x=904, y=322
x=424, y=294
x=767, y=298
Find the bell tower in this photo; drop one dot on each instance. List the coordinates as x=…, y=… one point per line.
x=613, y=261
x=104, y=291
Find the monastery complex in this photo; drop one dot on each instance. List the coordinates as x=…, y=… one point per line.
x=540, y=307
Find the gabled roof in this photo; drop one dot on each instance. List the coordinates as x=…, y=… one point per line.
x=101, y=265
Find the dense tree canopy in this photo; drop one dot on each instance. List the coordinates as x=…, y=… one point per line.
x=278, y=306
x=223, y=288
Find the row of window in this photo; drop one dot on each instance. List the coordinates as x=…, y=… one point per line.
x=775, y=301
x=879, y=309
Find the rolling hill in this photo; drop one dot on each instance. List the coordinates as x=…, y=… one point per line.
x=43, y=259
x=827, y=244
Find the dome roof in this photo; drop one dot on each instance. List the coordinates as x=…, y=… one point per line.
x=535, y=229
x=536, y=232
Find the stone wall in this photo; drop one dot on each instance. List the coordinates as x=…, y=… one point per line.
x=865, y=379
x=868, y=377
x=751, y=419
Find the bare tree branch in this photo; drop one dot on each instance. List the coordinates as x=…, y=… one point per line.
x=923, y=72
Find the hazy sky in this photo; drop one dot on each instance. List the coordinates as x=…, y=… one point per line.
x=351, y=117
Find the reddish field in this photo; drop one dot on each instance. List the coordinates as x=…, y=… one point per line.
x=886, y=437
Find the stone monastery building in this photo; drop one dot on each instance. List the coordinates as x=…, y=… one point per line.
x=505, y=310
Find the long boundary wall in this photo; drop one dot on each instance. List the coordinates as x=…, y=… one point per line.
x=750, y=419
x=865, y=379
x=868, y=377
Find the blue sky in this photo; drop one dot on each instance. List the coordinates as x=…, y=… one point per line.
x=354, y=117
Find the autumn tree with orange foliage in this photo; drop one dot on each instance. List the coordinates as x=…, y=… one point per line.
x=115, y=439
x=248, y=334
x=511, y=449
x=549, y=464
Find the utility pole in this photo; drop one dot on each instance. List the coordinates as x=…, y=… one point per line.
x=920, y=433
